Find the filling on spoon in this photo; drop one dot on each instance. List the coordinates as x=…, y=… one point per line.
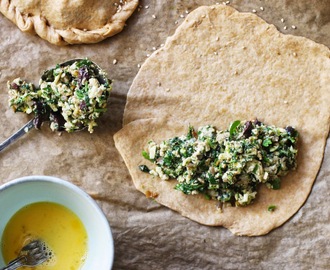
x=71, y=97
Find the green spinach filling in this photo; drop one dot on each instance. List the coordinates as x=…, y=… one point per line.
x=226, y=165
x=70, y=97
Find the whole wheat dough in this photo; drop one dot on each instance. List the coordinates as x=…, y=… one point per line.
x=69, y=22
x=220, y=66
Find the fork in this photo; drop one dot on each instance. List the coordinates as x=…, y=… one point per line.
x=31, y=254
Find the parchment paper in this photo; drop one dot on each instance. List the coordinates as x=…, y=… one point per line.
x=147, y=235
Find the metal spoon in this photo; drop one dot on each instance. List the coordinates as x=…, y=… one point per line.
x=46, y=76
x=19, y=133
x=100, y=75
x=31, y=254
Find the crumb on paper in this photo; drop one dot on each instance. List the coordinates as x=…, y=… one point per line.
x=150, y=194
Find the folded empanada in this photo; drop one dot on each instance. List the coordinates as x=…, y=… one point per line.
x=69, y=22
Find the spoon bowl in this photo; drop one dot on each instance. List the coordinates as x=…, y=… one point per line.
x=56, y=116
x=99, y=73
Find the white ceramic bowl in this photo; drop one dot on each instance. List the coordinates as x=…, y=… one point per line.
x=26, y=190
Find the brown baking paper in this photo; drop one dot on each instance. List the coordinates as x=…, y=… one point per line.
x=147, y=235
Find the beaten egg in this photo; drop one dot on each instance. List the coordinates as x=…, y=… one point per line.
x=62, y=231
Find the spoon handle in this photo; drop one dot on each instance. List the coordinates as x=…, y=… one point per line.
x=26, y=128
x=14, y=264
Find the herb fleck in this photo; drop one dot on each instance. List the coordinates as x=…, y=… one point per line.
x=271, y=208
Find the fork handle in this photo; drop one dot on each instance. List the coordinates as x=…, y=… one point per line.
x=29, y=125
x=14, y=264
